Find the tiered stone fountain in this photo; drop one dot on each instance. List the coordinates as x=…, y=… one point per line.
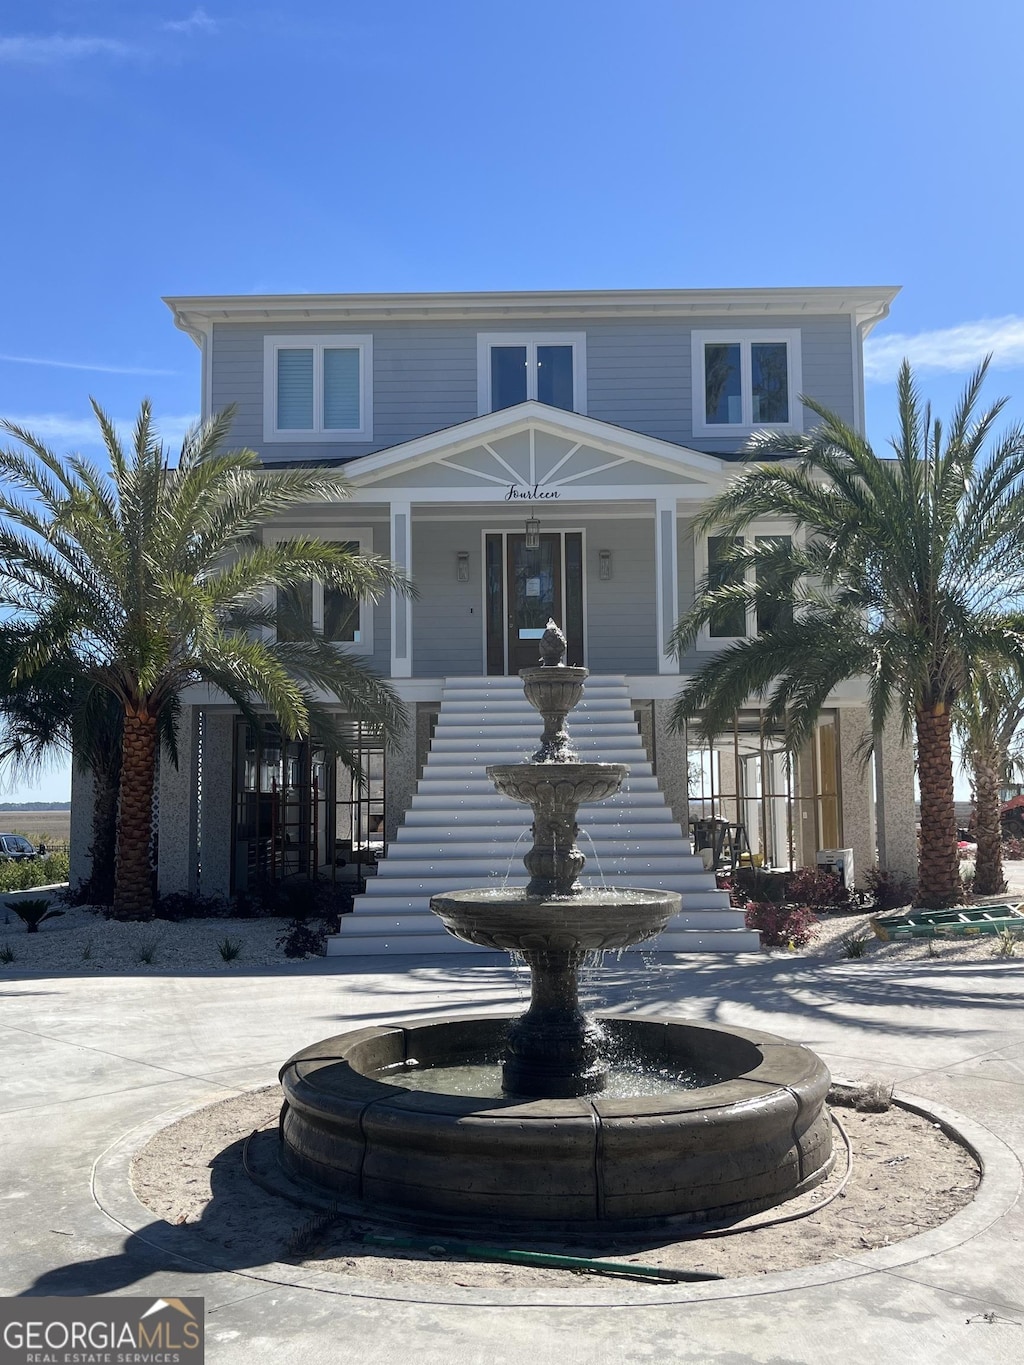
x=550, y=1152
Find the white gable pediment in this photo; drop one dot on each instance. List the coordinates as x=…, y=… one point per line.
x=537, y=449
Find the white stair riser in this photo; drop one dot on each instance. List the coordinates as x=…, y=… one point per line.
x=460, y=833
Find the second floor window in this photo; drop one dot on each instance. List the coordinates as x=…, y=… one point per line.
x=743, y=381
x=317, y=388
x=516, y=367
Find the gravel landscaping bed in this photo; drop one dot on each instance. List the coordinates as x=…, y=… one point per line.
x=82, y=941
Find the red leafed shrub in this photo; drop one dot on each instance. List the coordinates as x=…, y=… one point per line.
x=819, y=889
x=1013, y=847
x=782, y=926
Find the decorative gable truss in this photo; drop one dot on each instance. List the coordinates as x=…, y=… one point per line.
x=523, y=454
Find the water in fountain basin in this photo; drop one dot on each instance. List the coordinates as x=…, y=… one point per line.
x=482, y=1079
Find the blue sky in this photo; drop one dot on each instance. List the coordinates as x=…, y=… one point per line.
x=155, y=148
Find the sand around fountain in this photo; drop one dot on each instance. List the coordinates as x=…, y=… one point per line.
x=908, y=1176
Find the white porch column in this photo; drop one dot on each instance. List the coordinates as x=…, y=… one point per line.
x=667, y=580
x=401, y=607
x=178, y=845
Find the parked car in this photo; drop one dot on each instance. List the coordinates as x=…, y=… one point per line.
x=16, y=846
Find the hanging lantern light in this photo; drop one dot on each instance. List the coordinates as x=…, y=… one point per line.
x=532, y=533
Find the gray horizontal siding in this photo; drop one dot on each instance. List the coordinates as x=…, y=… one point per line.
x=448, y=621
x=425, y=376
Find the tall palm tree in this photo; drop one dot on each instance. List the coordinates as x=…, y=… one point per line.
x=987, y=720
x=900, y=571
x=152, y=578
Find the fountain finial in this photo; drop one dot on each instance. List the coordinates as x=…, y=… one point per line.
x=552, y=646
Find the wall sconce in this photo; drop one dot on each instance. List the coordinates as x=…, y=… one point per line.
x=532, y=533
x=604, y=564
x=462, y=566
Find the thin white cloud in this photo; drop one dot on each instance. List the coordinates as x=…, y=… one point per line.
x=58, y=428
x=950, y=350
x=197, y=22
x=82, y=365
x=51, y=48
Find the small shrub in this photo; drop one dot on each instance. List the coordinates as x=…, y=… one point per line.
x=321, y=899
x=889, y=890
x=229, y=948
x=145, y=950
x=87, y=950
x=1006, y=942
x=183, y=905
x=872, y=1097
x=303, y=938
x=7, y=954
x=25, y=873
x=782, y=926
x=819, y=889
x=1013, y=848
x=33, y=913
x=854, y=946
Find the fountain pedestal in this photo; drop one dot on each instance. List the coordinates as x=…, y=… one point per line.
x=554, y=1050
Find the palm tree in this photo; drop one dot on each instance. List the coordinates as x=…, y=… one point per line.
x=987, y=719
x=900, y=571
x=152, y=578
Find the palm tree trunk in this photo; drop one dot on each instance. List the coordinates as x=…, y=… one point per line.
x=133, y=888
x=988, y=867
x=938, y=870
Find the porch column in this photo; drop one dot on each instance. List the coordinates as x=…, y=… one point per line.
x=83, y=798
x=856, y=788
x=216, y=814
x=177, y=860
x=897, y=805
x=401, y=607
x=667, y=580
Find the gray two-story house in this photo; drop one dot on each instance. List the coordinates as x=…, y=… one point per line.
x=523, y=456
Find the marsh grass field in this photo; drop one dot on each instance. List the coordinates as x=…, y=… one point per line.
x=52, y=826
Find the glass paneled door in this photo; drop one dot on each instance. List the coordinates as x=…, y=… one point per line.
x=525, y=589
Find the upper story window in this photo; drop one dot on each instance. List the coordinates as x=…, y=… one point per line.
x=743, y=381
x=317, y=388
x=327, y=611
x=740, y=621
x=515, y=366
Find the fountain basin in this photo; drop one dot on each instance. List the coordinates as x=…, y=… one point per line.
x=550, y=786
x=590, y=1165
x=588, y=920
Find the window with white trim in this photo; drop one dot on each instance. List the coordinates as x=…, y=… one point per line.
x=336, y=615
x=513, y=367
x=317, y=388
x=739, y=621
x=746, y=381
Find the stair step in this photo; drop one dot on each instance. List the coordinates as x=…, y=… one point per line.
x=460, y=833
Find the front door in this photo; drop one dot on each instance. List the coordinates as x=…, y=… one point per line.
x=534, y=596
x=526, y=589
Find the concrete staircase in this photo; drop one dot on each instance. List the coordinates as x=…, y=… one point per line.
x=460, y=833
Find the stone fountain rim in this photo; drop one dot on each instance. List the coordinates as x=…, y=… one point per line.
x=783, y=1065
